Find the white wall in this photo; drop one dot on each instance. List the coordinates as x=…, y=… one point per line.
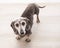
x=27, y=1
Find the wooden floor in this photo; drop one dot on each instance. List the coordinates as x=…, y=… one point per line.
x=45, y=35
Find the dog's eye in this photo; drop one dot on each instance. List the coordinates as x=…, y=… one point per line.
x=23, y=23
x=17, y=25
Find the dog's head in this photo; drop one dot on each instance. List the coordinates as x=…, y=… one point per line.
x=20, y=26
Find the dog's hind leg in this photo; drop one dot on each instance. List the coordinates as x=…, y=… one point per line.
x=38, y=21
x=37, y=13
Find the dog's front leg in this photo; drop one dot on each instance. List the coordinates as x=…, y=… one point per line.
x=18, y=37
x=28, y=38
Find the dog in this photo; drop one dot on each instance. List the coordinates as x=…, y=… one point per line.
x=22, y=27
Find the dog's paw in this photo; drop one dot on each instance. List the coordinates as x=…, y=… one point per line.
x=28, y=40
x=18, y=38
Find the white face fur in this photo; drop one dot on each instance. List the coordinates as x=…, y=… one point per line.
x=20, y=25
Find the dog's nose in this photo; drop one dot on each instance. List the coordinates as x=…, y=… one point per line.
x=22, y=32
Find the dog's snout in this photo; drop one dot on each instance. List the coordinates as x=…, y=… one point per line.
x=22, y=32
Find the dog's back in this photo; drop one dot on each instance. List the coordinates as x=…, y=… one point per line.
x=31, y=10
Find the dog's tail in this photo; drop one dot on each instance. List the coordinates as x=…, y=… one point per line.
x=42, y=6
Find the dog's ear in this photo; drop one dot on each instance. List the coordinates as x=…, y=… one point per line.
x=28, y=27
x=12, y=24
x=13, y=27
